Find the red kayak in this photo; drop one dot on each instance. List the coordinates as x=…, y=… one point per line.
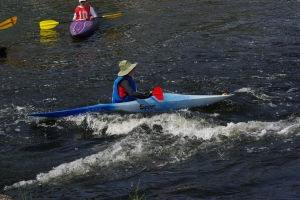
x=85, y=28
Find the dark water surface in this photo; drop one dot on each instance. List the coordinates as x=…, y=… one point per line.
x=246, y=147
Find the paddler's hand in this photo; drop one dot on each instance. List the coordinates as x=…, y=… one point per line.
x=92, y=18
x=149, y=95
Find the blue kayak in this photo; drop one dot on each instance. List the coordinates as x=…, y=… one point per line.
x=152, y=104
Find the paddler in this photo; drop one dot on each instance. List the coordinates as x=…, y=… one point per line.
x=84, y=11
x=124, y=88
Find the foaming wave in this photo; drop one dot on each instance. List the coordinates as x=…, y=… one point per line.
x=77, y=168
x=177, y=123
x=183, y=124
x=154, y=140
x=204, y=129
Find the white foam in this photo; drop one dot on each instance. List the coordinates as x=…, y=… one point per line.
x=244, y=90
x=257, y=94
x=178, y=125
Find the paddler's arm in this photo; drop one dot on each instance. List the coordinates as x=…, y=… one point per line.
x=127, y=86
x=74, y=17
x=93, y=13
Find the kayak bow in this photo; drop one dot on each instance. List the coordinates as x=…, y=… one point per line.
x=83, y=29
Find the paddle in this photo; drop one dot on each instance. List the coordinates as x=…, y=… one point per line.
x=8, y=23
x=49, y=24
x=158, y=93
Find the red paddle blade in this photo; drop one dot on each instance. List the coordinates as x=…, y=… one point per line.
x=158, y=93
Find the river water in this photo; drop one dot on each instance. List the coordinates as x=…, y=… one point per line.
x=246, y=147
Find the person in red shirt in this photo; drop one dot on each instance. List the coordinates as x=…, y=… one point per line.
x=84, y=11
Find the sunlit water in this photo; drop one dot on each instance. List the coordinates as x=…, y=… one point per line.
x=246, y=147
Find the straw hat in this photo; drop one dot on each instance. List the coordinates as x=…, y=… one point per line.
x=125, y=67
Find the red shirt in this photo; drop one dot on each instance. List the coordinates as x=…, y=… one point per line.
x=83, y=13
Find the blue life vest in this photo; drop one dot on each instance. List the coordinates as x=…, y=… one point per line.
x=116, y=98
